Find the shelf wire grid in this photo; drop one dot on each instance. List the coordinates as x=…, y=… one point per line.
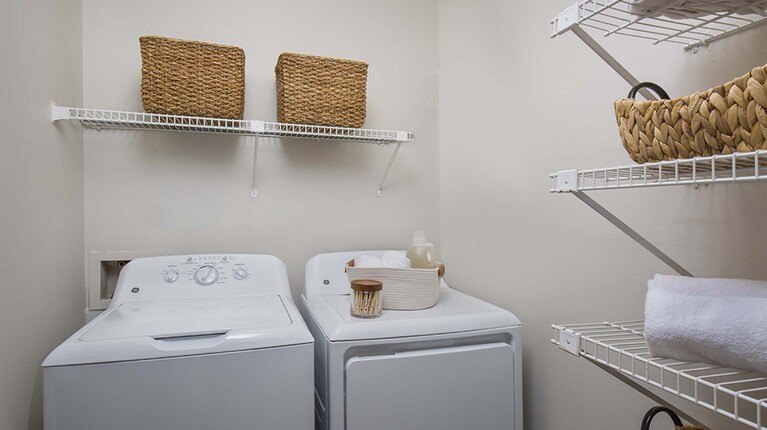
x=122, y=120
x=616, y=17
x=621, y=346
x=276, y=129
x=736, y=167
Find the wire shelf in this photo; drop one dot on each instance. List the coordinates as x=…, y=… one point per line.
x=276, y=129
x=616, y=17
x=121, y=120
x=737, y=394
x=737, y=167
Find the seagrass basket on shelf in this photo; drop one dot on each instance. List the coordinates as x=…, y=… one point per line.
x=722, y=120
x=182, y=77
x=321, y=90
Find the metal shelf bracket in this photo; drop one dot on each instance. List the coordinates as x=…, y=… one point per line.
x=638, y=238
x=254, y=188
x=388, y=167
x=567, y=180
x=567, y=19
x=59, y=113
x=610, y=60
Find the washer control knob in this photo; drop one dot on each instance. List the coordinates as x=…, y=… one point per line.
x=240, y=274
x=171, y=276
x=206, y=275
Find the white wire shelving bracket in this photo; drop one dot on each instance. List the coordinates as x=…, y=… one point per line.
x=620, y=349
x=736, y=167
x=616, y=17
x=100, y=119
x=731, y=168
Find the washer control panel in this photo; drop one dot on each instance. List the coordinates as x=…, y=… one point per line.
x=206, y=271
x=195, y=276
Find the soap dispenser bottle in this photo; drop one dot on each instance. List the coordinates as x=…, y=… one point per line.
x=420, y=252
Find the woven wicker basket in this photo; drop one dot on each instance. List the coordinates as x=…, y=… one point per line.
x=403, y=289
x=181, y=77
x=320, y=90
x=722, y=120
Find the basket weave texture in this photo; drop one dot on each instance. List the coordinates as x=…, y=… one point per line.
x=181, y=77
x=722, y=120
x=321, y=90
x=403, y=289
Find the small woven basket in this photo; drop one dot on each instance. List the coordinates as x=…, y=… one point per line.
x=321, y=90
x=181, y=77
x=722, y=120
x=403, y=289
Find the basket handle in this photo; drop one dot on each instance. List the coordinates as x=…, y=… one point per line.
x=660, y=92
x=655, y=411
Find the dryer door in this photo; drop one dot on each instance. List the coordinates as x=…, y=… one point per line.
x=468, y=387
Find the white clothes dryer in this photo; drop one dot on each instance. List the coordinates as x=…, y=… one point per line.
x=188, y=343
x=455, y=366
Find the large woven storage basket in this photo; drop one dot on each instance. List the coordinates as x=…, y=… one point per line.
x=182, y=77
x=321, y=90
x=722, y=120
x=403, y=289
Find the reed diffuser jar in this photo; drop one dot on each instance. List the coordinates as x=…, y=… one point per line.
x=366, y=298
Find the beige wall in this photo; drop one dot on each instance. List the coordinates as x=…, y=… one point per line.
x=515, y=106
x=184, y=193
x=41, y=189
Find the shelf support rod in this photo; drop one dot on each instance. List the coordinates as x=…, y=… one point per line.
x=388, y=167
x=631, y=233
x=253, y=188
x=610, y=60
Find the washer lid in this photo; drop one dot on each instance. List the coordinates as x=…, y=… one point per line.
x=177, y=328
x=454, y=312
x=180, y=318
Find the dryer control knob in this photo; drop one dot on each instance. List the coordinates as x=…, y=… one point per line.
x=240, y=274
x=171, y=276
x=206, y=275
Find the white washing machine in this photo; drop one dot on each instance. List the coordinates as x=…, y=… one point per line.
x=188, y=343
x=455, y=366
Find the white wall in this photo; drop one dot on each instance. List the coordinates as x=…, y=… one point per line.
x=515, y=106
x=41, y=189
x=182, y=193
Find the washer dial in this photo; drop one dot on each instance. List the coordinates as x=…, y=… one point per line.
x=240, y=274
x=206, y=275
x=171, y=276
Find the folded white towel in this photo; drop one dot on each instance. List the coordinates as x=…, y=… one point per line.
x=389, y=259
x=367, y=261
x=395, y=259
x=710, y=286
x=722, y=321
